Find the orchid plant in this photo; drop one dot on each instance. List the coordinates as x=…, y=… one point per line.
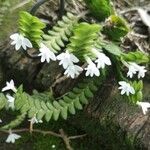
x=80, y=48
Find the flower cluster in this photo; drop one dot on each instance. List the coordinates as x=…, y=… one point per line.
x=126, y=88
x=10, y=86
x=20, y=41
x=46, y=54
x=34, y=120
x=12, y=137
x=68, y=61
x=10, y=99
x=135, y=68
x=101, y=60
x=145, y=106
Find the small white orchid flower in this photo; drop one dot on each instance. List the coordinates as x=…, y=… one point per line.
x=91, y=69
x=20, y=41
x=134, y=68
x=1, y=121
x=73, y=71
x=145, y=106
x=67, y=59
x=11, y=101
x=46, y=54
x=12, y=137
x=34, y=120
x=10, y=86
x=126, y=88
x=102, y=59
x=142, y=71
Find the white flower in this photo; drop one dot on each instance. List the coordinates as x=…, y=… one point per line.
x=1, y=121
x=142, y=71
x=46, y=54
x=134, y=68
x=34, y=120
x=67, y=59
x=73, y=71
x=145, y=106
x=126, y=88
x=91, y=69
x=11, y=101
x=20, y=41
x=102, y=61
x=10, y=86
x=53, y=146
x=12, y=137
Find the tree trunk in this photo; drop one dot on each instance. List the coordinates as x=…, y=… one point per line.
x=112, y=113
x=107, y=109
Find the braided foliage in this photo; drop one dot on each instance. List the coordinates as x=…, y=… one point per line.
x=83, y=39
x=45, y=106
x=138, y=57
x=31, y=27
x=60, y=33
x=100, y=9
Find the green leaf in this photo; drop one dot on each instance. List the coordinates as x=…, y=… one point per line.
x=139, y=96
x=56, y=114
x=83, y=39
x=32, y=112
x=77, y=103
x=139, y=85
x=40, y=114
x=2, y=101
x=116, y=28
x=100, y=9
x=88, y=93
x=112, y=48
x=71, y=108
x=48, y=115
x=31, y=27
x=19, y=119
x=83, y=99
x=64, y=113
x=56, y=38
x=137, y=57
x=43, y=105
x=25, y=108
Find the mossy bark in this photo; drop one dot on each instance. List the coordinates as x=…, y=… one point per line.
x=108, y=111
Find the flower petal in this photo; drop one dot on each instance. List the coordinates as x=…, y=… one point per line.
x=27, y=43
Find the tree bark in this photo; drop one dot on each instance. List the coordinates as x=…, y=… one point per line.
x=107, y=105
